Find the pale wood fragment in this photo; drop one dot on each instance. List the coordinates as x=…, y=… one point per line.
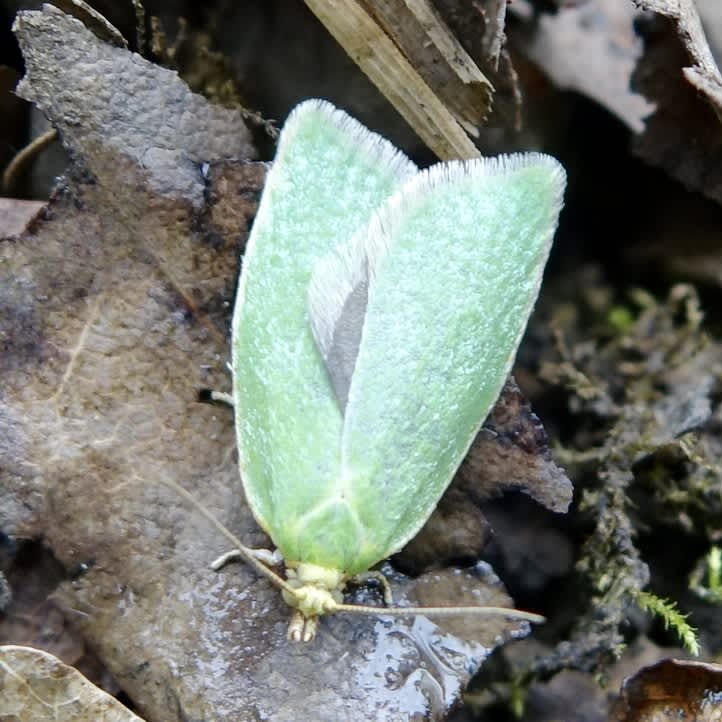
x=366, y=42
x=434, y=51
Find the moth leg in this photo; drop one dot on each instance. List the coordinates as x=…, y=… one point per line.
x=223, y=397
x=300, y=628
x=381, y=580
x=269, y=558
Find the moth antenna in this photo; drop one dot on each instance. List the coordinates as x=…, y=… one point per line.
x=243, y=550
x=440, y=611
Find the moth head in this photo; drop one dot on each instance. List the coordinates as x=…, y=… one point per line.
x=316, y=591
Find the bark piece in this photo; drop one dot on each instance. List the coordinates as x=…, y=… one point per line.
x=395, y=70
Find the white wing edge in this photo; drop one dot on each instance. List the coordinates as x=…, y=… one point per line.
x=388, y=217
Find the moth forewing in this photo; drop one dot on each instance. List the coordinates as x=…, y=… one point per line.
x=328, y=175
x=453, y=264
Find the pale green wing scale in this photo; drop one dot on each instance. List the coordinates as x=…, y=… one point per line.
x=328, y=176
x=443, y=280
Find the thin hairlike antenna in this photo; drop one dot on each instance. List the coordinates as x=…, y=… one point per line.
x=243, y=550
x=440, y=611
x=278, y=581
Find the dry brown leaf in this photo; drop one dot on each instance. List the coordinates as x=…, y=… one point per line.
x=36, y=686
x=15, y=215
x=93, y=20
x=592, y=48
x=512, y=452
x=673, y=690
x=679, y=74
x=114, y=312
x=703, y=73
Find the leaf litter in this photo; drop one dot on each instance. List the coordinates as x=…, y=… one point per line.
x=115, y=308
x=678, y=474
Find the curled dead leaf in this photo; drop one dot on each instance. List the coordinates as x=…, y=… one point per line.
x=673, y=690
x=592, y=48
x=511, y=452
x=37, y=687
x=679, y=74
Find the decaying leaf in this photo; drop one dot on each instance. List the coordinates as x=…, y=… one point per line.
x=114, y=309
x=703, y=72
x=512, y=452
x=168, y=157
x=93, y=20
x=592, y=48
x=679, y=74
x=651, y=66
x=673, y=690
x=15, y=215
x=36, y=686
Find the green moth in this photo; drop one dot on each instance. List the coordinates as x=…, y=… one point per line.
x=378, y=314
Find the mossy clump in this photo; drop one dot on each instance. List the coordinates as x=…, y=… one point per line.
x=644, y=392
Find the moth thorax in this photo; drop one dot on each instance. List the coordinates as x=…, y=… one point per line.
x=318, y=588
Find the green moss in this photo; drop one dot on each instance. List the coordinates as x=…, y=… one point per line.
x=706, y=579
x=672, y=618
x=620, y=318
